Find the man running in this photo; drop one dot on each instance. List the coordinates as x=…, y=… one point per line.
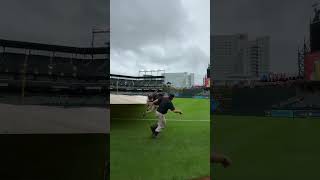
x=150, y=106
x=165, y=103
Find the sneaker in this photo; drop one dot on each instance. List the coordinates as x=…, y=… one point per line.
x=155, y=135
x=153, y=128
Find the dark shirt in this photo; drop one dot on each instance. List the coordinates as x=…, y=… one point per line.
x=150, y=98
x=157, y=96
x=164, y=105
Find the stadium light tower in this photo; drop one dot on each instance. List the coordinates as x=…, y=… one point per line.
x=152, y=72
x=96, y=31
x=24, y=72
x=162, y=71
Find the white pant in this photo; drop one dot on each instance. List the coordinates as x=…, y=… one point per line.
x=151, y=107
x=161, y=121
x=149, y=103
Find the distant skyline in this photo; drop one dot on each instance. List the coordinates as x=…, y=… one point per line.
x=170, y=35
x=285, y=22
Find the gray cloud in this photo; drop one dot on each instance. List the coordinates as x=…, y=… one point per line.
x=286, y=22
x=159, y=35
x=62, y=22
x=141, y=23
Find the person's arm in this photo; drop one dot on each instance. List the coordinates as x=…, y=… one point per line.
x=220, y=158
x=177, y=111
x=155, y=101
x=173, y=109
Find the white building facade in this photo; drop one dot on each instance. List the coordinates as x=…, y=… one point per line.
x=235, y=57
x=180, y=80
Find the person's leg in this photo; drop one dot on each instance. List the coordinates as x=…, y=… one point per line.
x=155, y=125
x=148, y=108
x=161, y=123
x=151, y=108
x=155, y=107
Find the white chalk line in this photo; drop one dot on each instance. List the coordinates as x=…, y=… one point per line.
x=183, y=120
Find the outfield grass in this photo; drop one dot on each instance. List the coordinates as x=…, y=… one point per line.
x=267, y=148
x=180, y=153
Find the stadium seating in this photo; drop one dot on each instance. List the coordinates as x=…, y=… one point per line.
x=42, y=65
x=129, y=83
x=52, y=67
x=38, y=64
x=301, y=102
x=10, y=66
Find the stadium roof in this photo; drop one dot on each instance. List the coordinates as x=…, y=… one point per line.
x=53, y=48
x=135, y=77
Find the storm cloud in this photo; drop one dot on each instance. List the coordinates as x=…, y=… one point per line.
x=61, y=22
x=170, y=35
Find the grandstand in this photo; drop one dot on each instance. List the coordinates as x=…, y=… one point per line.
x=136, y=84
x=305, y=102
x=60, y=72
x=47, y=140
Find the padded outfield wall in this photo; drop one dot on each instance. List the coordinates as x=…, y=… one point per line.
x=255, y=101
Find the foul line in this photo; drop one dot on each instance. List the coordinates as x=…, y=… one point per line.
x=184, y=120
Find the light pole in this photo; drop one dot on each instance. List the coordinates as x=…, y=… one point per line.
x=97, y=31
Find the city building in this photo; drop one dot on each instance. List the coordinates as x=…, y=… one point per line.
x=179, y=80
x=236, y=57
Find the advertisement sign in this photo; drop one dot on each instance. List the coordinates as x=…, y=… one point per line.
x=317, y=70
x=282, y=113
x=207, y=82
x=310, y=66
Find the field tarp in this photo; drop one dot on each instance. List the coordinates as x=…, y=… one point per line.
x=126, y=99
x=32, y=119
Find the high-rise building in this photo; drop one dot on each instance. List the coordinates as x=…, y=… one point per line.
x=237, y=57
x=314, y=32
x=180, y=80
x=208, y=71
x=190, y=79
x=206, y=79
x=226, y=55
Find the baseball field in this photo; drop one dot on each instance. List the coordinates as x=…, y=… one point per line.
x=267, y=148
x=181, y=151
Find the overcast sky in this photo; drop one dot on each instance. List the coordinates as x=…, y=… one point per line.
x=285, y=21
x=61, y=22
x=169, y=34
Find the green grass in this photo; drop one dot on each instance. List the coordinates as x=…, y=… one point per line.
x=181, y=152
x=267, y=148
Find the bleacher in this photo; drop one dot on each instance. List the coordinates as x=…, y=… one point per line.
x=136, y=83
x=51, y=67
x=308, y=101
x=307, y=97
